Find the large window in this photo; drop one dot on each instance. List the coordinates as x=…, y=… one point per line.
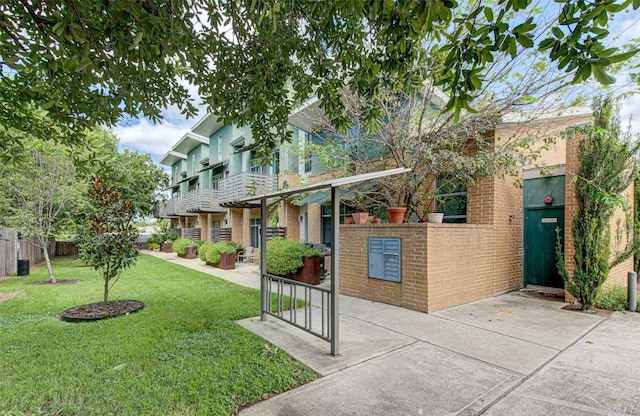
x=451, y=200
x=219, y=148
x=255, y=232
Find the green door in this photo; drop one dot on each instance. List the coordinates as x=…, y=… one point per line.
x=540, y=242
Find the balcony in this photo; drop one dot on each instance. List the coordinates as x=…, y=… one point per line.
x=166, y=209
x=203, y=200
x=244, y=184
x=172, y=208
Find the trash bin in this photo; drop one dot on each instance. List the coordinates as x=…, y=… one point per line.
x=23, y=267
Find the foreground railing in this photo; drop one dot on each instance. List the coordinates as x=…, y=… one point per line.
x=314, y=317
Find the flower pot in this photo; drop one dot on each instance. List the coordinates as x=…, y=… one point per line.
x=377, y=220
x=191, y=253
x=396, y=214
x=370, y=219
x=436, y=217
x=360, y=217
x=227, y=262
x=309, y=273
x=349, y=220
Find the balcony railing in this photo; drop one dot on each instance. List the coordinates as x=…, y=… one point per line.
x=173, y=208
x=203, y=200
x=245, y=184
x=166, y=209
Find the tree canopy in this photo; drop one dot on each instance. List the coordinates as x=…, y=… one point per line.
x=254, y=61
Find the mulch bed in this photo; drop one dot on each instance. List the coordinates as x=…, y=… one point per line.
x=95, y=311
x=596, y=311
x=57, y=282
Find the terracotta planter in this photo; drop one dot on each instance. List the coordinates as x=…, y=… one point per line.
x=377, y=220
x=349, y=220
x=436, y=217
x=227, y=262
x=396, y=214
x=166, y=247
x=360, y=217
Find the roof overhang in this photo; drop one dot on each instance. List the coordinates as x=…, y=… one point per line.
x=252, y=201
x=527, y=116
x=171, y=157
x=208, y=125
x=188, y=142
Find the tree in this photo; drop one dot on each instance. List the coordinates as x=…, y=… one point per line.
x=444, y=154
x=40, y=195
x=89, y=63
x=131, y=173
x=108, y=239
x=608, y=166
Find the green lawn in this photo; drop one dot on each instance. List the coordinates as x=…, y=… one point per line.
x=182, y=354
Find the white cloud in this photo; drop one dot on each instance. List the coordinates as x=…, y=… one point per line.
x=155, y=139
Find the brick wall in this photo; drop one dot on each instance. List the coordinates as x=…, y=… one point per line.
x=443, y=265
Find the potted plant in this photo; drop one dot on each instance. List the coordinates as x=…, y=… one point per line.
x=221, y=254
x=185, y=248
x=153, y=246
x=293, y=260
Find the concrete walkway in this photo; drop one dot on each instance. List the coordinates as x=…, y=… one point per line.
x=516, y=354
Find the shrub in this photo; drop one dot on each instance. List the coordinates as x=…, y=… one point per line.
x=210, y=252
x=614, y=299
x=181, y=244
x=153, y=246
x=285, y=256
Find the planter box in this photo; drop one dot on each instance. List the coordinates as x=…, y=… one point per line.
x=309, y=273
x=166, y=247
x=227, y=262
x=190, y=254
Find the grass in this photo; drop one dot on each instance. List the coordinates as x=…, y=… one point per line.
x=614, y=299
x=181, y=355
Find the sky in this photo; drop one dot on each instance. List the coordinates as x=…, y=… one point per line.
x=145, y=136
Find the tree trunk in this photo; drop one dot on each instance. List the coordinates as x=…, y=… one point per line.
x=52, y=278
x=105, y=303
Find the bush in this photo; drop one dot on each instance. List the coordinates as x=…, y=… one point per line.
x=153, y=246
x=285, y=256
x=614, y=299
x=181, y=244
x=210, y=252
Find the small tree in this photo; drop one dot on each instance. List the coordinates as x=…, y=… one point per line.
x=108, y=240
x=608, y=167
x=39, y=195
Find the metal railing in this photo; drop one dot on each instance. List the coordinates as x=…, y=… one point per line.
x=314, y=317
x=203, y=200
x=245, y=184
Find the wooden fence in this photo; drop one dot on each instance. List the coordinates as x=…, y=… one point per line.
x=9, y=245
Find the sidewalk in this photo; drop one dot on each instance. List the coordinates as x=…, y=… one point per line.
x=514, y=354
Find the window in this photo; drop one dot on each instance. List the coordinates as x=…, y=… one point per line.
x=308, y=155
x=215, y=180
x=219, y=148
x=255, y=232
x=193, y=164
x=451, y=199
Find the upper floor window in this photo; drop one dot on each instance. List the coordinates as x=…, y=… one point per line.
x=215, y=180
x=219, y=148
x=305, y=140
x=451, y=199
